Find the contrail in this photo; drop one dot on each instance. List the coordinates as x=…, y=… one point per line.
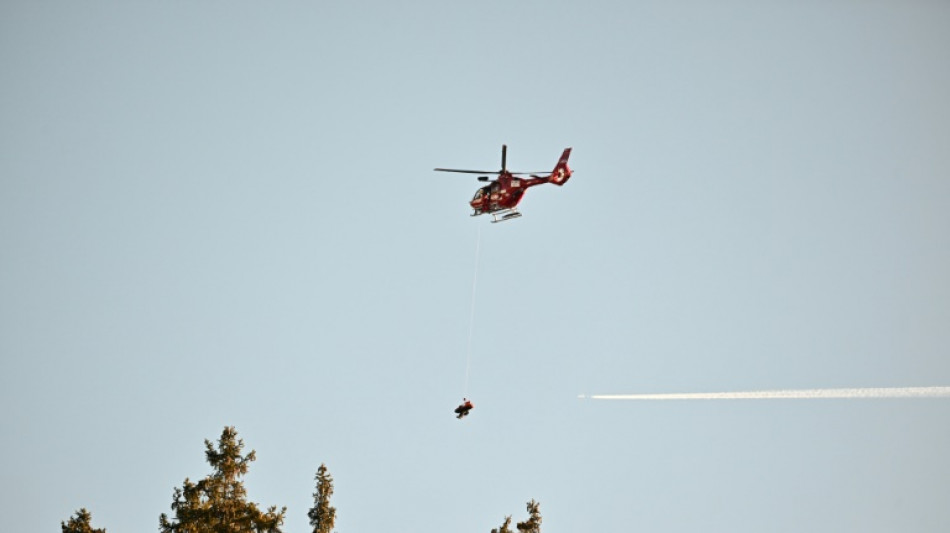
x=892, y=392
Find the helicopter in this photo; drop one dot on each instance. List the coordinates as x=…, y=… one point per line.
x=501, y=196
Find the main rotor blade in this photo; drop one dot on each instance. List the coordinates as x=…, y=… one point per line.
x=466, y=171
x=504, y=156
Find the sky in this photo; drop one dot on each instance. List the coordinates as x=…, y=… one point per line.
x=224, y=214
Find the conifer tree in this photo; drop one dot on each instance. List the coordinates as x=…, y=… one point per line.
x=504, y=527
x=217, y=503
x=80, y=523
x=322, y=515
x=533, y=523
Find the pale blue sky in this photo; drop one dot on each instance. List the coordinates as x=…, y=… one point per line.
x=224, y=213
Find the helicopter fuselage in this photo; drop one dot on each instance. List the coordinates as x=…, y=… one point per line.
x=503, y=193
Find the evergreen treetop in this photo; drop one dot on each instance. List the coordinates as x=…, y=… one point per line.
x=533, y=523
x=504, y=526
x=217, y=503
x=80, y=523
x=322, y=515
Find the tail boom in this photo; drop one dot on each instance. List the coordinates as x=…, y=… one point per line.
x=561, y=172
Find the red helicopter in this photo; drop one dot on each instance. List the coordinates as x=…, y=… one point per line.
x=500, y=197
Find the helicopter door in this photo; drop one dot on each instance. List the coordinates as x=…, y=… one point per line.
x=495, y=190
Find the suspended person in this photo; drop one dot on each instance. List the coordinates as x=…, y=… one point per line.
x=463, y=409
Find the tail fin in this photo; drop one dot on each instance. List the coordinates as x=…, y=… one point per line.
x=561, y=172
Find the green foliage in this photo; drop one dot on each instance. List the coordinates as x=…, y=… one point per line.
x=322, y=515
x=80, y=523
x=504, y=527
x=217, y=503
x=533, y=523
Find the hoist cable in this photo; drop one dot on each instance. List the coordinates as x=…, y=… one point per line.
x=471, y=318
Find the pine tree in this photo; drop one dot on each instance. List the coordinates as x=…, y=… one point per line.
x=504, y=527
x=80, y=523
x=322, y=515
x=217, y=503
x=533, y=523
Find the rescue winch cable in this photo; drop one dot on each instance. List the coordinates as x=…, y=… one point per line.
x=471, y=317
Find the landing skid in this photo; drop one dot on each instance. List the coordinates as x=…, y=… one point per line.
x=507, y=214
x=501, y=215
